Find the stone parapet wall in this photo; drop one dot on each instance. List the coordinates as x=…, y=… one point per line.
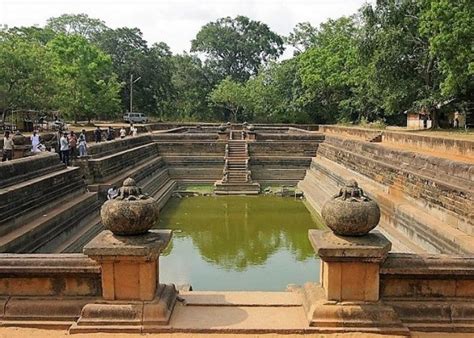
x=441, y=144
x=261, y=136
x=426, y=276
x=20, y=170
x=185, y=137
x=450, y=197
x=283, y=148
x=411, y=228
x=96, y=150
x=455, y=172
x=66, y=275
x=196, y=148
x=101, y=169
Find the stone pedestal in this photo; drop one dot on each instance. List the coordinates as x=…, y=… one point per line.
x=133, y=299
x=347, y=300
x=223, y=135
x=251, y=135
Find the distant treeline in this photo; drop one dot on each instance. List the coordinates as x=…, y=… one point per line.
x=386, y=59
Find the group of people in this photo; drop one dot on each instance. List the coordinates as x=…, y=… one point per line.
x=110, y=133
x=68, y=144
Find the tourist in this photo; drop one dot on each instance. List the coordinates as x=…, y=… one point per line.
x=112, y=192
x=123, y=132
x=82, y=146
x=83, y=133
x=35, y=142
x=110, y=134
x=58, y=143
x=8, y=146
x=98, y=135
x=72, y=139
x=133, y=130
x=64, y=149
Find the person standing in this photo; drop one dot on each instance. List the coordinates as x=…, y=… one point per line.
x=64, y=149
x=133, y=130
x=35, y=142
x=83, y=133
x=98, y=135
x=110, y=134
x=123, y=132
x=72, y=139
x=82, y=146
x=112, y=192
x=8, y=147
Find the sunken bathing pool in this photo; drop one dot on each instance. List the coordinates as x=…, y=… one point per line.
x=238, y=243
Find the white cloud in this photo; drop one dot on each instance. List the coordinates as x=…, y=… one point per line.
x=176, y=22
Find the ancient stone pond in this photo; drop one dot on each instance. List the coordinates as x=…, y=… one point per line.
x=238, y=242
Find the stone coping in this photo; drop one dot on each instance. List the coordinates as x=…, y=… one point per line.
x=423, y=265
x=150, y=244
x=46, y=264
x=372, y=247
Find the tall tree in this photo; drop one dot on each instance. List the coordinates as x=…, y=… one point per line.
x=449, y=27
x=86, y=84
x=80, y=24
x=237, y=47
x=25, y=80
x=302, y=37
x=231, y=96
x=328, y=71
x=192, y=82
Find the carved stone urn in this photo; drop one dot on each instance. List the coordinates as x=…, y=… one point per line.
x=222, y=127
x=351, y=213
x=129, y=212
x=251, y=127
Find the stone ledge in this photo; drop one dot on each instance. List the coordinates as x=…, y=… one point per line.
x=148, y=245
x=372, y=247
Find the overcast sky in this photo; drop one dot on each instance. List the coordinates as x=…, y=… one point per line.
x=176, y=22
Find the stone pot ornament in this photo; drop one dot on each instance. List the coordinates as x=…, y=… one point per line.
x=222, y=128
x=251, y=127
x=130, y=212
x=351, y=213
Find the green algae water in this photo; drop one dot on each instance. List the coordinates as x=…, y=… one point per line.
x=238, y=243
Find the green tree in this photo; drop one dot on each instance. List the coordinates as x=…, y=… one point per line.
x=449, y=27
x=231, y=96
x=237, y=47
x=192, y=83
x=86, y=84
x=329, y=71
x=80, y=24
x=302, y=37
x=24, y=73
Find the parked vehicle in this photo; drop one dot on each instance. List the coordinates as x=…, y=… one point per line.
x=135, y=118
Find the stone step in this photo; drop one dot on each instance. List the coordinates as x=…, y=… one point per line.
x=36, y=233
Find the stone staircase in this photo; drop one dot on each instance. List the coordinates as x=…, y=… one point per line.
x=237, y=179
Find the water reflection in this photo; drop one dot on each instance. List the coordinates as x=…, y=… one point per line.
x=238, y=236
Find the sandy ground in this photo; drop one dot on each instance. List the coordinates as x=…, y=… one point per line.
x=23, y=332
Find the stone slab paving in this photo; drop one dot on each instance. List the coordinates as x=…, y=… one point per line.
x=237, y=298
x=250, y=319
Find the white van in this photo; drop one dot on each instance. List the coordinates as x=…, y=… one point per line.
x=135, y=118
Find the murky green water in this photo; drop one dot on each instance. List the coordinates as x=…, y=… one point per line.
x=238, y=243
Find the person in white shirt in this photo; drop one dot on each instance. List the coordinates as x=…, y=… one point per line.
x=82, y=145
x=64, y=148
x=35, y=142
x=112, y=192
x=133, y=130
x=123, y=132
x=8, y=146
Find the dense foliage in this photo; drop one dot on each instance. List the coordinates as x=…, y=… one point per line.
x=389, y=58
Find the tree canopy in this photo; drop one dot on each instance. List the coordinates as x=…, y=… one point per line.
x=237, y=47
x=388, y=58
